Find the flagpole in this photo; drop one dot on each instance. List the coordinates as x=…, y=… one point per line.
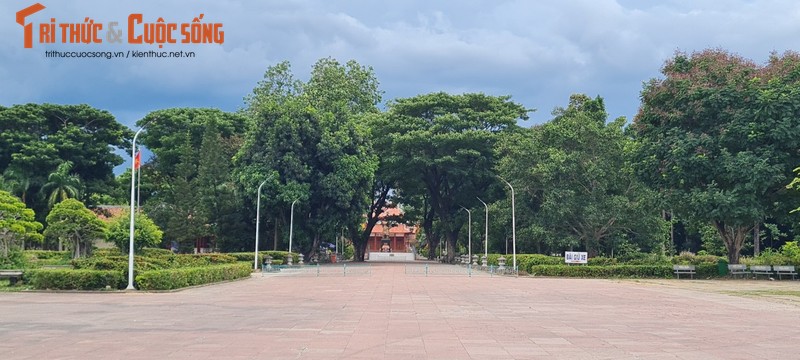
x=139, y=182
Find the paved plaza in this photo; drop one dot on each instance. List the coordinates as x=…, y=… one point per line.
x=389, y=313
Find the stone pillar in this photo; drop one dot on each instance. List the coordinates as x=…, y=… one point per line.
x=501, y=262
x=300, y=258
x=485, y=262
x=475, y=260
x=289, y=259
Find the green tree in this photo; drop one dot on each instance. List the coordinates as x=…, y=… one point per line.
x=177, y=209
x=220, y=203
x=17, y=224
x=71, y=221
x=36, y=138
x=61, y=185
x=309, y=141
x=187, y=186
x=583, y=191
x=442, y=146
x=718, y=136
x=168, y=130
x=145, y=232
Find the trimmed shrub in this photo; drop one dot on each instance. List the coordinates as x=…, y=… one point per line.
x=629, y=271
x=119, y=263
x=526, y=260
x=706, y=270
x=771, y=257
x=688, y=258
x=276, y=255
x=155, y=252
x=601, y=261
x=107, y=252
x=68, y=279
x=178, y=278
x=46, y=254
x=32, y=259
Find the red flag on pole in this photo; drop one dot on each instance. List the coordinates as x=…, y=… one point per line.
x=137, y=161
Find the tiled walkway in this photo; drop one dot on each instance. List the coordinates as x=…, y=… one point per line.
x=389, y=314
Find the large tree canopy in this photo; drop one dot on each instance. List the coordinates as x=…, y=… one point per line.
x=719, y=136
x=188, y=185
x=442, y=146
x=35, y=139
x=309, y=144
x=578, y=185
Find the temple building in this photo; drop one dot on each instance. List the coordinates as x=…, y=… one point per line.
x=390, y=237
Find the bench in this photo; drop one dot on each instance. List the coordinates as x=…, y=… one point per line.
x=738, y=269
x=12, y=275
x=784, y=270
x=683, y=269
x=761, y=270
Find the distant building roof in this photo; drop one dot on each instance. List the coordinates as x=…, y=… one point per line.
x=106, y=212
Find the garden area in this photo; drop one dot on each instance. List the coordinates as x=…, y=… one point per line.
x=107, y=269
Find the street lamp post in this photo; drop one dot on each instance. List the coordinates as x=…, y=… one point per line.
x=469, y=233
x=513, y=224
x=258, y=221
x=133, y=202
x=291, y=227
x=486, y=233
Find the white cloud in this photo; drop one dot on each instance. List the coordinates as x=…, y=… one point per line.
x=540, y=52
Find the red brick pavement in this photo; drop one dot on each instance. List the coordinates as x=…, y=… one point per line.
x=392, y=315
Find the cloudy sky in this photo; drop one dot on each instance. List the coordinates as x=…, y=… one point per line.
x=539, y=52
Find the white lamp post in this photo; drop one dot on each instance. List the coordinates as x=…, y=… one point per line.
x=513, y=224
x=258, y=221
x=486, y=233
x=469, y=233
x=133, y=202
x=291, y=227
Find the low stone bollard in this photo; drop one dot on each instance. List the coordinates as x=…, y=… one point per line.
x=485, y=262
x=289, y=259
x=300, y=259
x=474, y=260
x=268, y=262
x=501, y=264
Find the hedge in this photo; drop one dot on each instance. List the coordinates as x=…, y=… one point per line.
x=169, y=279
x=46, y=254
x=526, y=260
x=633, y=271
x=68, y=279
x=276, y=255
x=160, y=262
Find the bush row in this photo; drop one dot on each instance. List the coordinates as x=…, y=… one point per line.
x=148, y=263
x=276, y=256
x=178, y=278
x=630, y=271
x=69, y=279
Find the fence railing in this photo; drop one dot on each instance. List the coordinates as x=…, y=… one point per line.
x=317, y=270
x=456, y=270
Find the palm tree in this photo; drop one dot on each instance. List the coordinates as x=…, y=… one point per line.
x=17, y=183
x=61, y=185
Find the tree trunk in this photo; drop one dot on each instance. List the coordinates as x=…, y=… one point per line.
x=450, y=242
x=360, y=251
x=757, y=239
x=733, y=237
x=314, y=247
x=275, y=236
x=359, y=246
